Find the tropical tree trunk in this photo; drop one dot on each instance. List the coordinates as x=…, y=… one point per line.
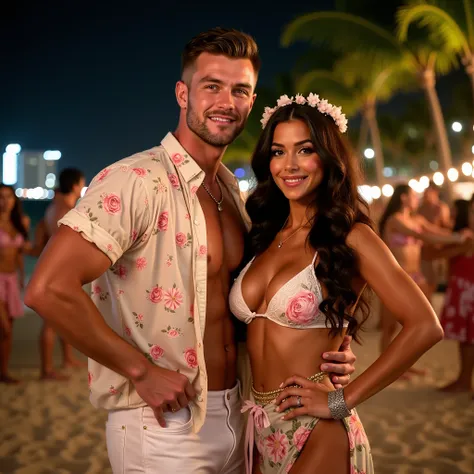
x=373, y=126
x=363, y=135
x=428, y=83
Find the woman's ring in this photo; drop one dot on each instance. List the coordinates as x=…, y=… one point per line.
x=298, y=401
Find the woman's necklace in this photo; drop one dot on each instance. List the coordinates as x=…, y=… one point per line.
x=280, y=244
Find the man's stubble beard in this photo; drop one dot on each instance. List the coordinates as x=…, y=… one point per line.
x=203, y=132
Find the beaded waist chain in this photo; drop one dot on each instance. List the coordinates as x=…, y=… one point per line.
x=264, y=398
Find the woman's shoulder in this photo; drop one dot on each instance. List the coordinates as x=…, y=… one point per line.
x=26, y=221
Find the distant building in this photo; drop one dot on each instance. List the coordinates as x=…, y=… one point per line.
x=32, y=173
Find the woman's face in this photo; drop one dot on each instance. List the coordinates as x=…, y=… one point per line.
x=295, y=166
x=410, y=200
x=7, y=200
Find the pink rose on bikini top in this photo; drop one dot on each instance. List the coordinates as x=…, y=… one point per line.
x=302, y=307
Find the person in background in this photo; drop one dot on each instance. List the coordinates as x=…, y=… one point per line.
x=14, y=227
x=437, y=213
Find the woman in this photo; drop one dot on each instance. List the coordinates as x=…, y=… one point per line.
x=404, y=232
x=13, y=235
x=315, y=252
x=457, y=316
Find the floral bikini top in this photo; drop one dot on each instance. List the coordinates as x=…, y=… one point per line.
x=294, y=305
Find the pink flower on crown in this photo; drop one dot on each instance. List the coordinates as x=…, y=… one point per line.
x=299, y=99
x=313, y=99
x=284, y=100
x=324, y=106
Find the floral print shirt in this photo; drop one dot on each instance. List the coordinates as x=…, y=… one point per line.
x=143, y=213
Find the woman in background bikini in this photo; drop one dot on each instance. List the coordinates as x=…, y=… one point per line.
x=404, y=231
x=13, y=235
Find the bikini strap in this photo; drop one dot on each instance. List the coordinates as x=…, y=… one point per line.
x=314, y=258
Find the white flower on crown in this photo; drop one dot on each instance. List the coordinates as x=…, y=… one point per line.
x=312, y=100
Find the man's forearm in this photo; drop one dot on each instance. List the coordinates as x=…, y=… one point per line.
x=76, y=318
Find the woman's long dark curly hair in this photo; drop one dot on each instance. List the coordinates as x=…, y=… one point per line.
x=393, y=206
x=338, y=208
x=16, y=216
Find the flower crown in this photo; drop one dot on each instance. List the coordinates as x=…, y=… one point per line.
x=312, y=100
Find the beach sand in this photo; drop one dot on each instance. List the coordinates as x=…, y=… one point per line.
x=51, y=428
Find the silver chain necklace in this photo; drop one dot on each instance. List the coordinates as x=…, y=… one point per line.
x=219, y=203
x=280, y=244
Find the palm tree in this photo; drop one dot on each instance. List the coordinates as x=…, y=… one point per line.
x=358, y=93
x=452, y=22
x=349, y=33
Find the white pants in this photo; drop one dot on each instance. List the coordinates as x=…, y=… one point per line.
x=136, y=443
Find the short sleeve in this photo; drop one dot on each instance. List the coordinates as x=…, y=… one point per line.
x=114, y=212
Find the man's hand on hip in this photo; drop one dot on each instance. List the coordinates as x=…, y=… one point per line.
x=340, y=364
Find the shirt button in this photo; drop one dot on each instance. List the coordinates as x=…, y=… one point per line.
x=199, y=345
x=200, y=399
x=228, y=396
x=196, y=222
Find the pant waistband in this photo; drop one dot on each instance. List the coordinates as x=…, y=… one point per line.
x=217, y=399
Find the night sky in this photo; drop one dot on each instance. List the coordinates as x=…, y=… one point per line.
x=97, y=82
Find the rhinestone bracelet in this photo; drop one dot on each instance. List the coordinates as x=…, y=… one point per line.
x=337, y=405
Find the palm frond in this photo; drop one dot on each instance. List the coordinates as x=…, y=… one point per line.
x=342, y=32
x=330, y=87
x=441, y=26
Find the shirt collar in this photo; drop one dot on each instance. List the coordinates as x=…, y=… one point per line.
x=188, y=168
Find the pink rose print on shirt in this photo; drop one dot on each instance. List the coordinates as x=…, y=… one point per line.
x=301, y=308
x=96, y=289
x=162, y=224
x=156, y=294
x=124, y=168
x=120, y=270
x=134, y=235
x=169, y=260
x=190, y=357
x=183, y=240
x=187, y=216
x=156, y=352
x=194, y=190
x=109, y=248
x=101, y=176
x=110, y=203
x=128, y=331
x=173, y=299
x=300, y=436
x=138, y=320
x=140, y=263
x=174, y=180
x=140, y=172
x=113, y=390
x=90, y=378
x=202, y=251
x=177, y=159
x=172, y=332
x=191, y=312
x=276, y=446
x=120, y=293
x=159, y=186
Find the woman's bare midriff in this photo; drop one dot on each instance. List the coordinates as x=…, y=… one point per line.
x=277, y=352
x=8, y=259
x=408, y=257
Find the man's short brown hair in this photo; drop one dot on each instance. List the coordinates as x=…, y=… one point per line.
x=224, y=41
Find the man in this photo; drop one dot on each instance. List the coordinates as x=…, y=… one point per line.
x=160, y=233
x=436, y=212
x=71, y=182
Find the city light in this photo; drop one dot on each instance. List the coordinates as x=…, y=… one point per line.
x=369, y=153
x=10, y=168
x=425, y=181
x=388, y=172
x=52, y=155
x=466, y=169
x=13, y=148
x=438, y=178
x=50, y=180
x=453, y=174
x=244, y=185
x=413, y=183
x=456, y=126
x=239, y=173
x=19, y=192
x=375, y=192
x=365, y=193
x=434, y=165
x=387, y=190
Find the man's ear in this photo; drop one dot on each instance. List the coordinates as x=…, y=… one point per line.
x=181, y=91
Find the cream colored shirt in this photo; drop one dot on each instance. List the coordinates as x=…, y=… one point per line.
x=143, y=213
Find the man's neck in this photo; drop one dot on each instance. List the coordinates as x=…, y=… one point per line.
x=208, y=157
